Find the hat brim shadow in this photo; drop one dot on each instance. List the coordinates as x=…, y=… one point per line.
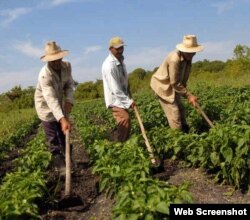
x=184, y=49
x=53, y=57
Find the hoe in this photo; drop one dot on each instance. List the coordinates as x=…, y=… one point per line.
x=199, y=110
x=154, y=160
x=69, y=199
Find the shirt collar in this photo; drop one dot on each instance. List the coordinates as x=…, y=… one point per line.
x=114, y=59
x=54, y=72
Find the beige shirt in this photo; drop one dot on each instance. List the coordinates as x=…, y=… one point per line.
x=52, y=90
x=171, y=77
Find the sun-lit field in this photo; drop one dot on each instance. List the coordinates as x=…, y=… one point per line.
x=11, y=121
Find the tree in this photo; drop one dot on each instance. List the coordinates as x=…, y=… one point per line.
x=17, y=98
x=136, y=79
x=14, y=93
x=241, y=51
x=208, y=66
x=86, y=90
x=138, y=73
x=99, y=87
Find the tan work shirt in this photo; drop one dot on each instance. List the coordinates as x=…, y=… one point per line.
x=52, y=90
x=171, y=77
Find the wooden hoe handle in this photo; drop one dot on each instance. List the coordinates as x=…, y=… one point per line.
x=199, y=109
x=68, y=166
x=149, y=148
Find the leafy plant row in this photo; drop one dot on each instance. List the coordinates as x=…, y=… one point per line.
x=125, y=169
x=17, y=138
x=222, y=150
x=21, y=189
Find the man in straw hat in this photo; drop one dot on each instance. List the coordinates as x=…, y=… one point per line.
x=169, y=82
x=116, y=89
x=54, y=98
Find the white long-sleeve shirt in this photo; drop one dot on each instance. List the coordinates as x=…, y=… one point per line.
x=115, y=83
x=52, y=90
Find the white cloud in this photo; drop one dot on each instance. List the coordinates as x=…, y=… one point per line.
x=79, y=59
x=28, y=49
x=86, y=65
x=60, y=2
x=216, y=51
x=149, y=58
x=54, y=3
x=92, y=49
x=10, y=79
x=146, y=58
x=9, y=15
x=84, y=74
x=224, y=6
x=228, y=5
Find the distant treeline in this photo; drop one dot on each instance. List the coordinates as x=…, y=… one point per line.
x=235, y=71
x=205, y=70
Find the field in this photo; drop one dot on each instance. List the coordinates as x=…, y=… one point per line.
x=118, y=181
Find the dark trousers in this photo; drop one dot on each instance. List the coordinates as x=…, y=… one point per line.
x=55, y=136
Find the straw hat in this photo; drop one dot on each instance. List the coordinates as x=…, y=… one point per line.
x=116, y=42
x=189, y=44
x=53, y=52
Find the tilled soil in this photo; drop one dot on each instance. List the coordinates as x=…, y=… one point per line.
x=99, y=207
x=96, y=206
x=205, y=191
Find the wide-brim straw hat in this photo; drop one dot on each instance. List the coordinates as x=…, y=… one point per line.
x=189, y=44
x=53, y=52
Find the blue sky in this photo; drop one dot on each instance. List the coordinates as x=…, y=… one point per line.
x=150, y=29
